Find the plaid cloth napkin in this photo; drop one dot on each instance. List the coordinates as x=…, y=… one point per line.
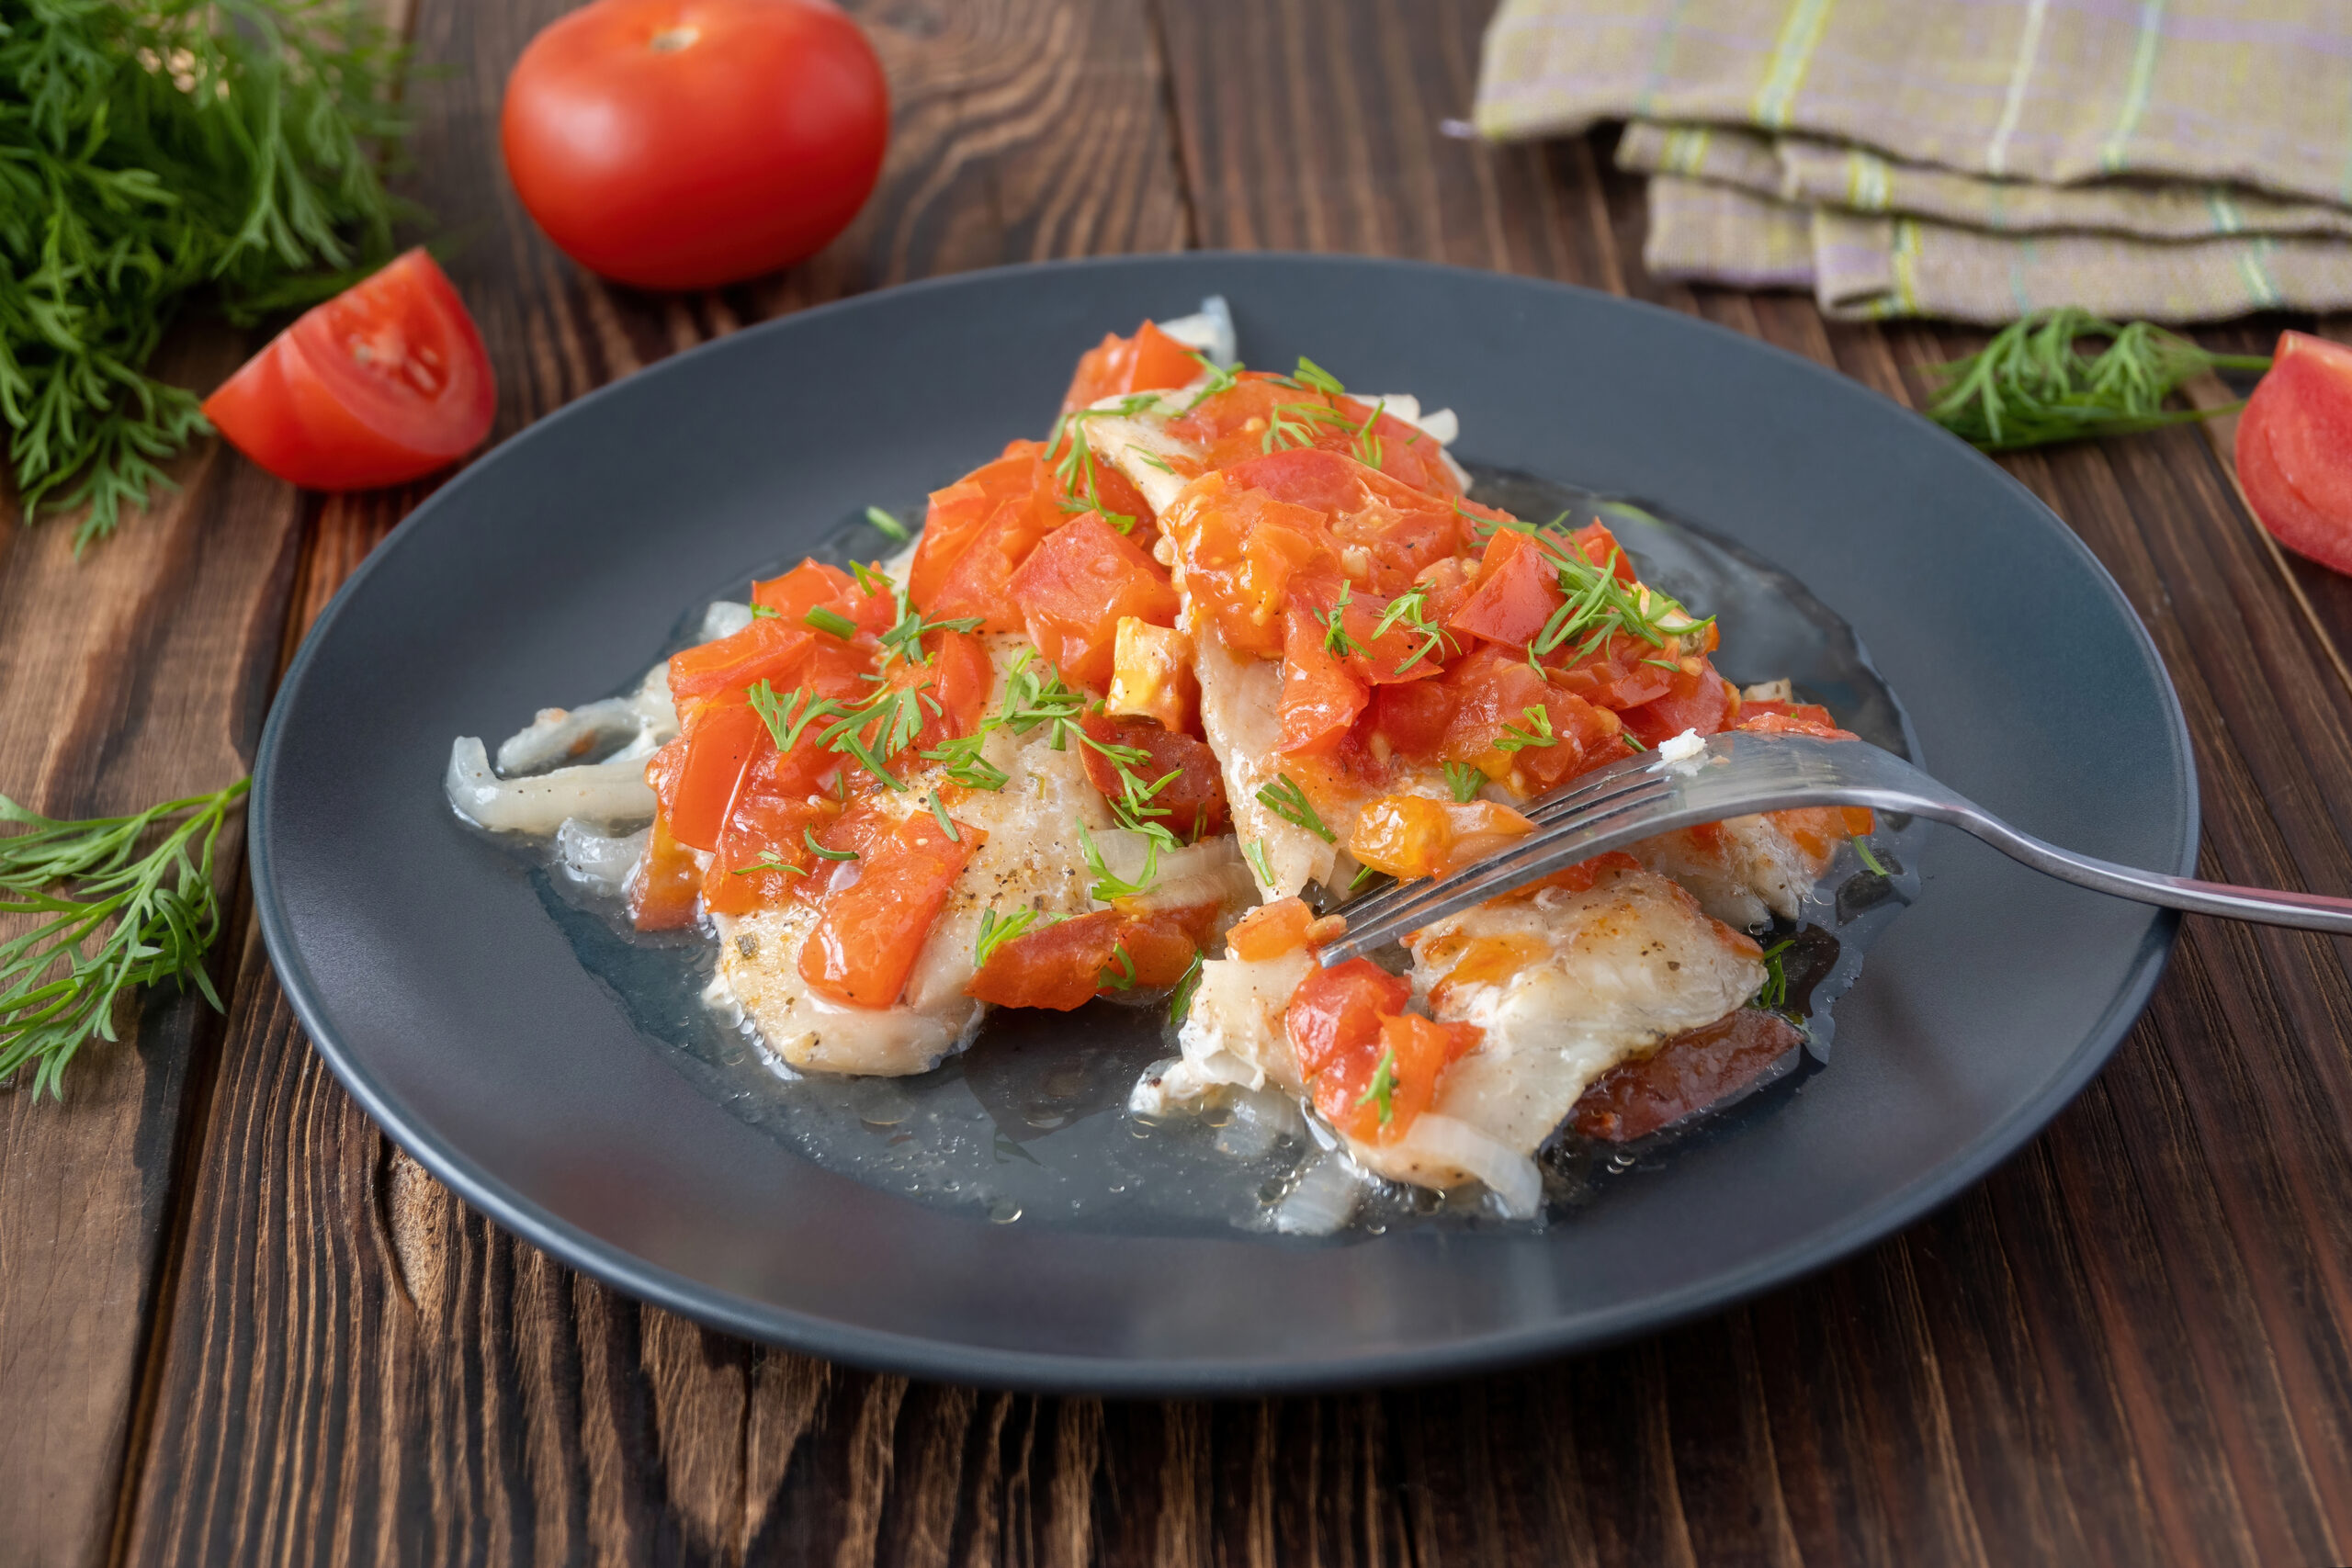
x=1977, y=159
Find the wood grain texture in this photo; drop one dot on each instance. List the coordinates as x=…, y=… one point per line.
x=2128, y=1345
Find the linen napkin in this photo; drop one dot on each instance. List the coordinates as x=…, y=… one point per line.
x=1977, y=159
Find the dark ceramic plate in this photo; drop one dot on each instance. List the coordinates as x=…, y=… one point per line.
x=430, y=973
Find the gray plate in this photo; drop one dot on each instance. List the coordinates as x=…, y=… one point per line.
x=432, y=979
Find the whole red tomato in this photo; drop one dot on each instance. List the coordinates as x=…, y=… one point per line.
x=686, y=143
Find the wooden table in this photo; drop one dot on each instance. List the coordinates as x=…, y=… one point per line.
x=237, y=1325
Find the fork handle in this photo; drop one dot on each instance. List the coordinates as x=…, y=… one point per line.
x=2304, y=911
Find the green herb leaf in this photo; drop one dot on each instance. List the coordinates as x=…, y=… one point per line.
x=115, y=918
x=1106, y=887
x=1869, y=861
x=997, y=930
x=830, y=622
x=888, y=526
x=1313, y=376
x=1382, y=1087
x=1254, y=851
x=151, y=153
x=1124, y=979
x=767, y=862
x=1773, y=995
x=808, y=837
x=1464, y=781
x=2031, y=385
x=1289, y=802
x=964, y=763
x=1180, y=1001
x=764, y=613
x=947, y=823
x=1537, y=734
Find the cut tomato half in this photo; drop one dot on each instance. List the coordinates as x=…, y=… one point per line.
x=383, y=383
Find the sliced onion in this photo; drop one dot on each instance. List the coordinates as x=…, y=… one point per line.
x=1210, y=330
x=1211, y=872
x=560, y=735
x=1324, y=1199
x=724, y=618
x=599, y=861
x=1510, y=1174
x=611, y=791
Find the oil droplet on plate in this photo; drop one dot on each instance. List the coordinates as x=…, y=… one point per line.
x=1003, y=1212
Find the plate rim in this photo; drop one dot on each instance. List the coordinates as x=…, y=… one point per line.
x=1043, y=1372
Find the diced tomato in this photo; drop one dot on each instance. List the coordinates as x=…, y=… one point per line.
x=1337, y=1012
x=1683, y=1077
x=1414, y=1051
x=1160, y=947
x=1378, y=657
x=1233, y=429
x=695, y=786
x=1414, y=718
x=1622, y=672
x=1074, y=588
x=1518, y=591
x=1240, y=547
x=980, y=583
x=1412, y=835
x=957, y=514
x=865, y=822
x=801, y=590
x=769, y=649
x=1193, y=799
x=955, y=676
x=1401, y=531
x=1056, y=966
x=1269, y=930
x=1319, y=698
x=763, y=835
x=1150, y=361
x=1699, y=700
x=1601, y=547
x=869, y=932
x=661, y=890
x=1494, y=692
x=1790, y=719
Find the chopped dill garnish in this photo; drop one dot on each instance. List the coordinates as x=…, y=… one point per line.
x=1222, y=378
x=1538, y=732
x=1869, y=861
x=947, y=823
x=1773, y=995
x=1633, y=741
x=767, y=862
x=832, y=623
x=997, y=930
x=963, y=763
x=870, y=579
x=1363, y=874
x=1464, y=781
x=1180, y=1001
x=1151, y=458
x=1289, y=802
x=766, y=613
x=808, y=837
x=1316, y=379
x=787, y=716
x=1125, y=980
x=1255, y=852
x=1382, y=1087
x=889, y=526
x=1106, y=887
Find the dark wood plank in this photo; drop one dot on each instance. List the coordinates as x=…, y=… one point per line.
x=2127, y=1346
x=135, y=673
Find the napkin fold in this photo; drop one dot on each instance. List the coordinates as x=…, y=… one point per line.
x=2177, y=160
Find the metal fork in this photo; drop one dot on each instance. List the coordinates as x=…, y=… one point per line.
x=1742, y=772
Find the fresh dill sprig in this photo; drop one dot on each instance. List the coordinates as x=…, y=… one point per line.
x=1537, y=734
x=2033, y=386
x=808, y=837
x=1337, y=640
x=766, y=862
x=997, y=930
x=832, y=623
x=888, y=525
x=1180, y=1001
x=1314, y=378
x=151, y=153
x=1464, y=781
x=1254, y=851
x=1869, y=860
x=1222, y=378
x=1106, y=887
x=1412, y=609
x=1382, y=1087
x=1363, y=874
x=1773, y=995
x=1289, y=802
x=152, y=915
x=962, y=761
x=1124, y=977
x=939, y=815
x=904, y=640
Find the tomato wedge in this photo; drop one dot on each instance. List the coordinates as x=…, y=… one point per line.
x=870, y=932
x=1073, y=590
x=1056, y=967
x=383, y=383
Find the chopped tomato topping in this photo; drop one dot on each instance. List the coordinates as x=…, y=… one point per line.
x=1193, y=799
x=1518, y=590
x=958, y=515
x=762, y=858
x=1373, y=1094
x=695, y=776
x=955, y=677
x=1269, y=930
x=768, y=649
x=1792, y=718
x=661, y=890
x=1337, y=1012
x=814, y=585
x=1412, y=835
x=1059, y=967
x=1235, y=425
x=1621, y=672
x=1075, y=587
x=871, y=929
x=1601, y=547
x=1492, y=728
x=1414, y=719
x=1683, y=1077
x=1161, y=947
x=1152, y=676
x=1319, y=698
x=1150, y=361
x=1699, y=700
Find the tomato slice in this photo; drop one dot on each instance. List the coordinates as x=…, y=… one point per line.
x=1073, y=590
x=1319, y=698
x=1193, y=799
x=1699, y=700
x=1271, y=929
x=1792, y=718
x=1056, y=967
x=1150, y=361
x=1517, y=593
x=980, y=585
x=383, y=383
x=1684, y=1076
x=760, y=839
x=721, y=741
x=958, y=515
x=661, y=890
x=870, y=930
